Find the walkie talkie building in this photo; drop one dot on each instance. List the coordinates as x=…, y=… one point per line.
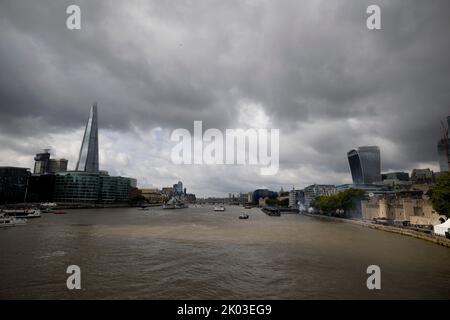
x=88, y=158
x=365, y=164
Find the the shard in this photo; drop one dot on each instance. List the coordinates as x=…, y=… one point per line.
x=88, y=158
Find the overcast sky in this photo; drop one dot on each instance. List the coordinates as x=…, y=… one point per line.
x=310, y=68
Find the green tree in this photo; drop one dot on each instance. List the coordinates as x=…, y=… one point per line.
x=345, y=200
x=272, y=202
x=283, y=203
x=136, y=200
x=440, y=194
x=349, y=198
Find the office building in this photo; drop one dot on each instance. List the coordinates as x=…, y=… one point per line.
x=263, y=194
x=368, y=188
x=88, y=184
x=178, y=188
x=167, y=191
x=422, y=176
x=88, y=157
x=296, y=198
x=41, y=188
x=57, y=165
x=13, y=184
x=316, y=190
x=44, y=164
x=250, y=197
x=114, y=189
x=77, y=187
x=400, y=176
x=41, y=162
x=443, y=147
x=85, y=187
x=396, y=180
x=365, y=165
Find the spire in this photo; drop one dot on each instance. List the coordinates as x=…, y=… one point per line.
x=88, y=158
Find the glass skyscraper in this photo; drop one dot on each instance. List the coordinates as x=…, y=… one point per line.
x=88, y=158
x=87, y=184
x=444, y=149
x=13, y=184
x=365, y=164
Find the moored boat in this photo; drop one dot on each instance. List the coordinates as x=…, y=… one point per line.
x=174, y=206
x=23, y=213
x=8, y=221
x=219, y=208
x=271, y=211
x=174, y=203
x=48, y=204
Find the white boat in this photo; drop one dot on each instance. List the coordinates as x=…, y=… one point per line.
x=219, y=208
x=33, y=213
x=48, y=204
x=174, y=206
x=7, y=221
x=244, y=216
x=174, y=203
x=23, y=213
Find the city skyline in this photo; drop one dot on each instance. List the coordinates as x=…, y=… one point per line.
x=386, y=88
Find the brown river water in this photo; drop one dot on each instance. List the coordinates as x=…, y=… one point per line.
x=196, y=253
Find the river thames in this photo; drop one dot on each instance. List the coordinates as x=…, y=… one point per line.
x=197, y=253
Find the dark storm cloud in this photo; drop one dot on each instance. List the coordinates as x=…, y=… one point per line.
x=318, y=73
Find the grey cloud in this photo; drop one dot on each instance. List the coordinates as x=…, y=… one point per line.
x=168, y=63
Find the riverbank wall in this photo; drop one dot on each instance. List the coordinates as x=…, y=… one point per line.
x=407, y=232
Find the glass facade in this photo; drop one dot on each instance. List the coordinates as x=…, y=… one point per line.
x=13, y=184
x=41, y=162
x=88, y=157
x=41, y=188
x=77, y=187
x=444, y=154
x=57, y=165
x=443, y=147
x=355, y=166
x=263, y=193
x=91, y=188
x=365, y=165
x=114, y=189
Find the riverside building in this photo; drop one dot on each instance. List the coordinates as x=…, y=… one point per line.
x=296, y=198
x=85, y=187
x=88, y=184
x=443, y=148
x=365, y=165
x=44, y=164
x=316, y=190
x=404, y=207
x=13, y=184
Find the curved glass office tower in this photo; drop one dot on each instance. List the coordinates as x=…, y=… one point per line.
x=365, y=164
x=88, y=158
